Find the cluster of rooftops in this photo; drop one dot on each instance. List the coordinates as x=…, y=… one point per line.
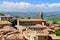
x=27, y=29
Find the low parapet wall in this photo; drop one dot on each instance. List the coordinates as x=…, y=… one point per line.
x=13, y=39
x=55, y=39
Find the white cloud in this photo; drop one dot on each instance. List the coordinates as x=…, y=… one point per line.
x=54, y=5
x=22, y=6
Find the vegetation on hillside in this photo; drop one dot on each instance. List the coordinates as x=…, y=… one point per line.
x=7, y=19
x=53, y=21
x=53, y=17
x=16, y=16
x=1, y=14
x=57, y=32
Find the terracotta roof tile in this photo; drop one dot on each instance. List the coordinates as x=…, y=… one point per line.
x=5, y=22
x=39, y=26
x=32, y=19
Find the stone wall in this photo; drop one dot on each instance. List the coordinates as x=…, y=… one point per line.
x=55, y=39
x=42, y=38
x=13, y=39
x=25, y=23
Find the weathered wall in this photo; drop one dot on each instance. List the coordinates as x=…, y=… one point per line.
x=42, y=38
x=55, y=39
x=13, y=39
x=31, y=22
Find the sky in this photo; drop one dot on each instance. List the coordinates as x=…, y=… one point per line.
x=29, y=5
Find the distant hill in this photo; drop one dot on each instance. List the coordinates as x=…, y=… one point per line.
x=53, y=17
x=47, y=15
x=30, y=13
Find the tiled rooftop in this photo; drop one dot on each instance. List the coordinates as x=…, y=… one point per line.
x=5, y=22
x=38, y=26
x=32, y=19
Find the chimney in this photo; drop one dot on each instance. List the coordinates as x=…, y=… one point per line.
x=17, y=21
x=41, y=15
x=43, y=23
x=2, y=36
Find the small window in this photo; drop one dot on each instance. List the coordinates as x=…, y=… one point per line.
x=34, y=38
x=45, y=37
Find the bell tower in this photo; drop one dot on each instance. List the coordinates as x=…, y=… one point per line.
x=18, y=21
x=41, y=15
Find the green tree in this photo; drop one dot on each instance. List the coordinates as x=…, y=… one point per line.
x=7, y=19
x=53, y=21
x=57, y=32
x=16, y=16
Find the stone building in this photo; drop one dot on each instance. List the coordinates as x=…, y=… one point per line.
x=32, y=21
x=6, y=17
x=4, y=23
x=28, y=29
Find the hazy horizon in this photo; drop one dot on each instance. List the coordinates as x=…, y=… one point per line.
x=35, y=14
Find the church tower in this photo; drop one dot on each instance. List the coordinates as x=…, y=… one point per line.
x=19, y=27
x=18, y=21
x=41, y=15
